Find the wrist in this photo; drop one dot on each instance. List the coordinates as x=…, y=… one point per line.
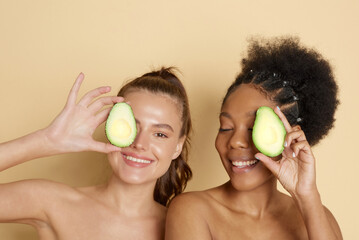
x=47, y=141
x=305, y=190
x=308, y=201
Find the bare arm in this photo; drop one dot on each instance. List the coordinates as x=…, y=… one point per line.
x=71, y=131
x=31, y=146
x=296, y=172
x=319, y=221
x=28, y=201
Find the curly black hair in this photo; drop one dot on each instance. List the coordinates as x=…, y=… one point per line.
x=297, y=78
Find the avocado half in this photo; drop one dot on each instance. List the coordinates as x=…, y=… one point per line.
x=121, y=125
x=268, y=132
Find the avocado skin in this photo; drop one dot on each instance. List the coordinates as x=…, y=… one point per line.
x=121, y=111
x=266, y=119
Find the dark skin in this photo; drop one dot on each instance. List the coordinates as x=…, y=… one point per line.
x=249, y=206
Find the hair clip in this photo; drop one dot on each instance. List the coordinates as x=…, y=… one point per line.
x=299, y=119
x=251, y=71
x=295, y=98
x=285, y=83
x=275, y=74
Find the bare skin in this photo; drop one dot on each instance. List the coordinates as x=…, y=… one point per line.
x=123, y=208
x=249, y=206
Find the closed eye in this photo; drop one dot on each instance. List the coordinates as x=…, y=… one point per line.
x=225, y=129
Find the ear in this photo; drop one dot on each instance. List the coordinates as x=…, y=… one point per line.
x=179, y=147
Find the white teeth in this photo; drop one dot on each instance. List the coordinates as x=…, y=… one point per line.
x=242, y=164
x=137, y=160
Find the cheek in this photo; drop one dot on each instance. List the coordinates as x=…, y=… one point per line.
x=164, y=150
x=220, y=143
x=113, y=159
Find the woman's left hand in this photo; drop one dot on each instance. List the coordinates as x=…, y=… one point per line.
x=296, y=168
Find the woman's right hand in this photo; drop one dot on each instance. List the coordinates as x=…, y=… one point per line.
x=72, y=129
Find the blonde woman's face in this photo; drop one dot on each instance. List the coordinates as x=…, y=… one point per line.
x=158, y=140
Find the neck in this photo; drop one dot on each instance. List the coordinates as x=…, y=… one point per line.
x=254, y=202
x=130, y=199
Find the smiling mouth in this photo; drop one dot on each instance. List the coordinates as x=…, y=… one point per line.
x=137, y=160
x=243, y=164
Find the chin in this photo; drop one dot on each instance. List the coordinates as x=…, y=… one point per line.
x=133, y=179
x=249, y=184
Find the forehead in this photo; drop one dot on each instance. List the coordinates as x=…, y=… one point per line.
x=245, y=99
x=155, y=107
x=139, y=95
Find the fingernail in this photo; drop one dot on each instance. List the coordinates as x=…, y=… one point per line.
x=256, y=157
x=293, y=154
x=278, y=108
x=285, y=144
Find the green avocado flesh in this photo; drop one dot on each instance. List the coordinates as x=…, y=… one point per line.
x=121, y=125
x=268, y=132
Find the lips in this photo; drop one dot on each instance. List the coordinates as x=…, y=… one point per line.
x=136, y=160
x=243, y=164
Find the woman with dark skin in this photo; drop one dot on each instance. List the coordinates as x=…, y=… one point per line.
x=145, y=175
x=298, y=84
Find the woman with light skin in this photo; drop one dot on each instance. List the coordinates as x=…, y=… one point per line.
x=298, y=84
x=146, y=175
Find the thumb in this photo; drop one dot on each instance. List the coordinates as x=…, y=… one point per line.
x=104, y=147
x=272, y=165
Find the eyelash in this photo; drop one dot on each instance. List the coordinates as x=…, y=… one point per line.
x=161, y=135
x=229, y=129
x=224, y=129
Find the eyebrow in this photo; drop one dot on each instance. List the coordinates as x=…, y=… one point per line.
x=225, y=114
x=159, y=125
x=163, y=125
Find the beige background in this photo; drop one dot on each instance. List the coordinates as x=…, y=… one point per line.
x=44, y=45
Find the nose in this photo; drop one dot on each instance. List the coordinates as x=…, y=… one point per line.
x=240, y=138
x=141, y=141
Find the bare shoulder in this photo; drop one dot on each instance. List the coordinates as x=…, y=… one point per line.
x=31, y=199
x=188, y=211
x=333, y=222
x=191, y=201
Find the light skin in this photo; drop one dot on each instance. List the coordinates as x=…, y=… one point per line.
x=249, y=206
x=124, y=207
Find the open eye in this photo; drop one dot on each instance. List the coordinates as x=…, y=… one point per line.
x=161, y=135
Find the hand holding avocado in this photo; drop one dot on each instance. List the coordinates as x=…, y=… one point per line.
x=72, y=129
x=296, y=168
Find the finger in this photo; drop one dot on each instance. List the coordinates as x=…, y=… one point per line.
x=101, y=102
x=287, y=152
x=294, y=136
x=88, y=97
x=272, y=165
x=301, y=146
x=283, y=118
x=75, y=89
x=104, y=147
x=102, y=116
